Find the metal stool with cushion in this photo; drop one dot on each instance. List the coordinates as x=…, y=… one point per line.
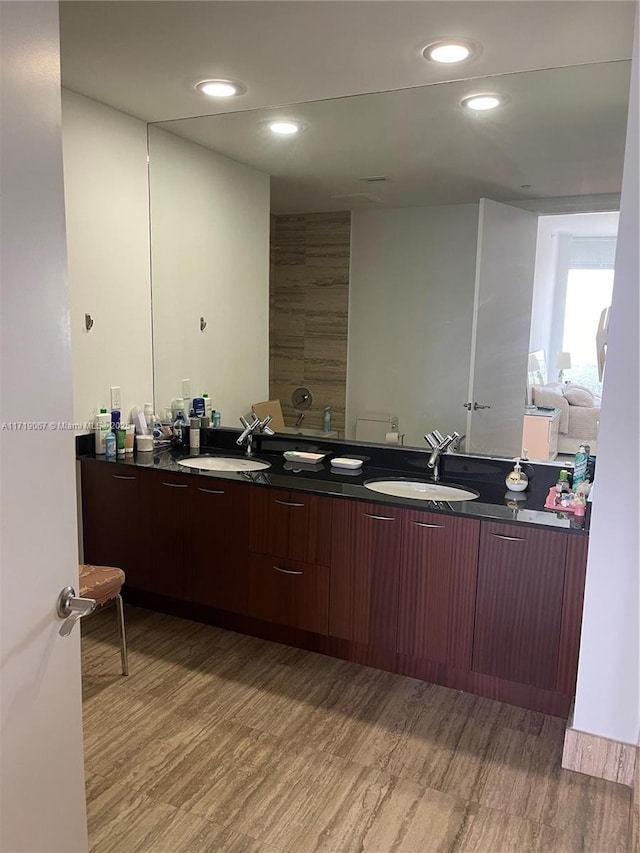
x=103, y=583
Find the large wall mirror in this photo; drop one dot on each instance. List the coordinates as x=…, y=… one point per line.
x=383, y=257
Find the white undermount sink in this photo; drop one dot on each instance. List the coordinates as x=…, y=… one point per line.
x=224, y=463
x=421, y=491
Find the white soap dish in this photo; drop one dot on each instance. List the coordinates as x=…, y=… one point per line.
x=346, y=462
x=303, y=456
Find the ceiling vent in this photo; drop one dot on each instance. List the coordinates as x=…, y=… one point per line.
x=358, y=198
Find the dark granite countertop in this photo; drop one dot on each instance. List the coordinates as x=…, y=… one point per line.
x=483, y=475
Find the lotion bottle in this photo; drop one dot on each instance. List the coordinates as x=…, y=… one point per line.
x=102, y=424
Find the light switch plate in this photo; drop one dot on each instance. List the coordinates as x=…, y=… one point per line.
x=186, y=389
x=116, y=398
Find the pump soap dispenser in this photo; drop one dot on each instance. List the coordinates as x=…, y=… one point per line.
x=517, y=480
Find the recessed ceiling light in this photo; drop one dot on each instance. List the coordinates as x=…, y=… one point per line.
x=481, y=103
x=449, y=51
x=221, y=88
x=285, y=128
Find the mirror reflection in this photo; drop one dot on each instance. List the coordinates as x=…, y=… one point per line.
x=399, y=260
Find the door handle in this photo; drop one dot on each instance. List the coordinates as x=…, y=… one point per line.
x=477, y=406
x=72, y=609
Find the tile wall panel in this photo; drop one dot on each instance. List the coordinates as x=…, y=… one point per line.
x=309, y=302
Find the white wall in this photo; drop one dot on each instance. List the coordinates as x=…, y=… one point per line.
x=107, y=209
x=608, y=692
x=411, y=290
x=210, y=258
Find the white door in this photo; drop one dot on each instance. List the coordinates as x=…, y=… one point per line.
x=501, y=326
x=42, y=807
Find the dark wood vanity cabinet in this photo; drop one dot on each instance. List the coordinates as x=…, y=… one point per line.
x=437, y=593
x=477, y=605
x=175, y=535
x=289, y=540
x=521, y=573
x=365, y=557
x=113, y=527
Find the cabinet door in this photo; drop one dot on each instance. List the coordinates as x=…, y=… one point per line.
x=167, y=500
x=438, y=587
x=290, y=525
x=289, y=592
x=519, y=603
x=219, y=548
x=365, y=563
x=572, y=604
x=114, y=533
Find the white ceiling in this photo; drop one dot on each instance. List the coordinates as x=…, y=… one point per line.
x=561, y=132
x=144, y=57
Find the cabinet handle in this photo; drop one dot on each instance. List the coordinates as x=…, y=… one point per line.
x=212, y=491
x=424, y=524
x=379, y=517
x=286, y=571
x=176, y=485
x=509, y=538
x=287, y=503
x=122, y=477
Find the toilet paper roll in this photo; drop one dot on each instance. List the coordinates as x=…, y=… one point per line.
x=392, y=438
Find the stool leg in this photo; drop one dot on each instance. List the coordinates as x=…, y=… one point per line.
x=123, y=635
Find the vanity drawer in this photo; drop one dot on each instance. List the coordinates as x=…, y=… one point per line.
x=290, y=525
x=289, y=592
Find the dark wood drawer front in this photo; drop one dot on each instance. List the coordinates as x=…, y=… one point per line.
x=291, y=525
x=220, y=545
x=519, y=604
x=365, y=562
x=438, y=588
x=289, y=592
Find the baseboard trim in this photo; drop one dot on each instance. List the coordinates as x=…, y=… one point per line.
x=634, y=817
x=599, y=756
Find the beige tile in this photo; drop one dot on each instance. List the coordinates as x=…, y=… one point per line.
x=121, y=820
x=218, y=741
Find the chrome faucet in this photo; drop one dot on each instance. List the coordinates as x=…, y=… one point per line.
x=250, y=429
x=438, y=446
x=299, y=419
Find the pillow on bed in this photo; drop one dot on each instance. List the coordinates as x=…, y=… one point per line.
x=578, y=397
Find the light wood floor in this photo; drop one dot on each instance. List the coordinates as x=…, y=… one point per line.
x=221, y=742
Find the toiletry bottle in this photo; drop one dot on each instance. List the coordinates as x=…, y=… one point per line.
x=208, y=406
x=179, y=426
x=217, y=419
x=326, y=420
x=110, y=445
x=198, y=407
x=102, y=422
x=177, y=405
x=562, y=485
x=115, y=419
x=517, y=480
x=194, y=434
x=579, y=467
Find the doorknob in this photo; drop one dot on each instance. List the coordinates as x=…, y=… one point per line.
x=477, y=406
x=71, y=609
